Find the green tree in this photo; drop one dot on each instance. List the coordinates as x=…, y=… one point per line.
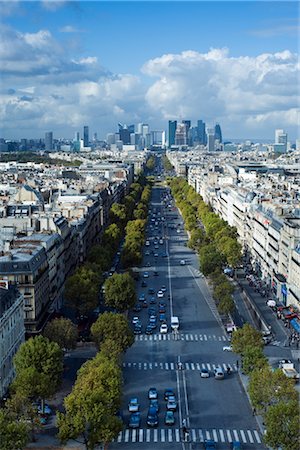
x=120, y=292
x=102, y=255
x=92, y=405
x=114, y=327
x=14, y=435
x=197, y=238
x=253, y=358
x=39, y=368
x=226, y=304
x=222, y=290
x=20, y=409
x=63, y=332
x=82, y=289
x=150, y=164
x=112, y=236
x=210, y=259
x=282, y=426
x=245, y=337
x=117, y=213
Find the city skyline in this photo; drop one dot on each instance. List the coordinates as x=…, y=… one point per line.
x=69, y=64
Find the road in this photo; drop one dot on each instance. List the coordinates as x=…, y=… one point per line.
x=216, y=409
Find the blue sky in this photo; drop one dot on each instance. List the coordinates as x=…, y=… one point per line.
x=120, y=48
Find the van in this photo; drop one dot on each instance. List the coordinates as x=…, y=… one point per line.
x=174, y=323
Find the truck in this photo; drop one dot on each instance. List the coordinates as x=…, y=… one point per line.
x=289, y=371
x=174, y=323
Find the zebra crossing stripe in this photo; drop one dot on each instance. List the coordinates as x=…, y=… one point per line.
x=243, y=436
x=250, y=436
x=187, y=366
x=177, y=435
x=133, y=436
x=120, y=437
x=208, y=435
x=126, y=437
x=229, y=438
x=215, y=435
x=236, y=437
x=257, y=436
x=170, y=438
x=172, y=366
x=162, y=435
x=196, y=337
x=201, y=438
x=155, y=435
x=205, y=337
x=141, y=435
x=222, y=435
x=147, y=435
x=198, y=366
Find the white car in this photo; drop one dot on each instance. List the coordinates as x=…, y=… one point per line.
x=227, y=348
x=182, y=262
x=163, y=288
x=163, y=328
x=160, y=294
x=133, y=405
x=204, y=373
x=219, y=374
x=135, y=320
x=146, y=275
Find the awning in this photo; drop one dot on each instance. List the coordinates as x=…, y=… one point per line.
x=295, y=324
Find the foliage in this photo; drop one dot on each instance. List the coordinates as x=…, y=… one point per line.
x=117, y=213
x=197, y=238
x=120, y=292
x=39, y=368
x=92, y=405
x=102, y=256
x=267, y=387
x=150, y=164
x=82, y=289
x=253, y=358
x=63, y=332
x=222, y=290
x=246, y=337
x=166, y=163
x=226, y=305
x=14, y=435
x=210, y=259
x=282, y=426
x=114, y=327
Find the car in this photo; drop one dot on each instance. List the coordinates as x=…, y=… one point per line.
x=147, y=243
x=163, y=288
x=145, y=304
x=168, y=392
x=162, y=317
x=152, y=301
x=135, y=320
x=152, y=311
x=137, y=308
x=142, y=298
x=209, y=444
x=182, y=262
x=163, y=328
x=146, y=275
x=283, y=361
x=155, y=255
x=162, y=309
x=160, y=294
x=154, y=403
x=148, y=264
x=133, y=405
x=152, y=417
x=164, y=255
x=147, y=253
x=155, y=273
x=152, y=393
x=219, y=374
x=149, y=329
x=151, y=291
x=169, y=418
x=135, y=420
x=171, y=403
x=204, y=373
x=236, y=445
x=137, y=329
x=227, y=348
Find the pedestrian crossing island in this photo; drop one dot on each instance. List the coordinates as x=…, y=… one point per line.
x=195, y=435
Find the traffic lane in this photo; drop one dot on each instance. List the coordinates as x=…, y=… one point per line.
x=218, y=403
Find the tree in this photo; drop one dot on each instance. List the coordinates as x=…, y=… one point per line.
x=282, y=426
x=226, y=304
x=245, y=337
x=222, y=290
x=210, y=259
x=112, y=236
x=63, y=332
x=82, y=289
x=267, y=387
x=92, y=405
x=150, y=164
x=197, y=238
x=120, y=291
x=102, y=255
x=114, y=327
x=20, y=409
x=253, y=358
x=14, y=435
x=117, y=213
x=39, y=368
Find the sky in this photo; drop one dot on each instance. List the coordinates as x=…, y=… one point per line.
x=66, y=64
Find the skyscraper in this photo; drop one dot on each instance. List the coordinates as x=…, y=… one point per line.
x=218, y=133
x=210, y=139
x=85, y=136
x=201, y=132
x=187, y=124
x=281, y=138
x=49, y=141
x=125, y=132
x=172, y=131
x=181, y=135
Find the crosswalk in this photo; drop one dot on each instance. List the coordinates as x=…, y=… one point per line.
x=173, y=366
x=195, y=435
x=180, y=337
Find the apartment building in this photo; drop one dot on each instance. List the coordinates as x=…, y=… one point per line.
x=12, y=332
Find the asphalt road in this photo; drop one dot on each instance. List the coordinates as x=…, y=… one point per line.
x=216, y=409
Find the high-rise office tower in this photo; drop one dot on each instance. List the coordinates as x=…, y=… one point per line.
x=187, y=124
x=172, y=131
x=181, y=135
x=125, y=132
x=77, y=136
x=85, y=136
x=281, y=138
x=49, y=141
x=210, y=139
x=201, y=132
x=218, y=133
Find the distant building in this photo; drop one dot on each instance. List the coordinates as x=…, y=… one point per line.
x=49, y=141
x=85, y=136
x=201, y=132
x=210, y=139
x=125, y=132
x=281, y=138
x=181, y=134
x=187, y=124
x=12, y=332
x=172, y=132
x=218, y=133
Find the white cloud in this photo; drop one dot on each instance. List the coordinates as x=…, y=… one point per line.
x=52, y=5
x=70, y=29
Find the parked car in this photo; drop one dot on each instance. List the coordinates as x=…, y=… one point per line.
x=152, y=393
x=227, y=348
x=133, y=405
x=209, y=444
x=154, y=403
x=163, y=328
x=135, y=420
x=152, y=417
x=169, y=418
x=168, y=392
x=219, y=374
x=171, y=403
x=204, y=373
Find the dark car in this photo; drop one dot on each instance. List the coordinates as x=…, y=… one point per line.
x=168, y=392
x=151, y=291
x=154, y=402
x=162, y=309
x=152, y=417
x=135, y=420
x=137, y=307
x=155, y=273
x=137, y=329
x=209, y=444
x=144, y=284
x=162, y=317
x=152, y=301
x=149, y=329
